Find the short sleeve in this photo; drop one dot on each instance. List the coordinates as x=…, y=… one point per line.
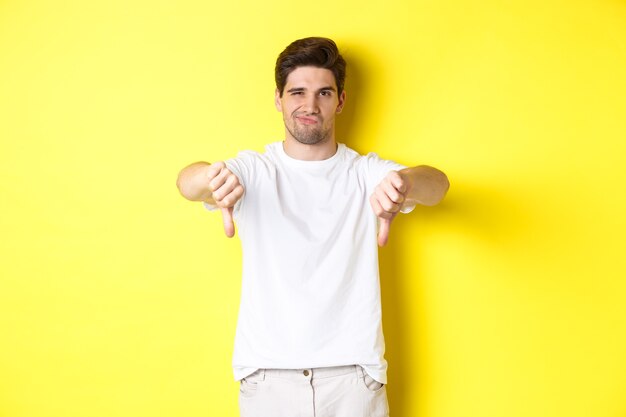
x=243, y=166
x=377, y=169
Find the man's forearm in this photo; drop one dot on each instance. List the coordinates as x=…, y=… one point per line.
x=426, y=185
x=193, y=182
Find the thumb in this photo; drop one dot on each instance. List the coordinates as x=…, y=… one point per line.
x=227, y=218
x=383, y=231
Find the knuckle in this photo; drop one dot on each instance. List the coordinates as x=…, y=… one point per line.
x=218, y=193
x=211, y=173
x=231, y=199
x=375, y=204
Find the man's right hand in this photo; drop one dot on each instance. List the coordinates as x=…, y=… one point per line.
x=226, y=190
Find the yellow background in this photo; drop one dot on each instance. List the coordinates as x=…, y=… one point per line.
x=119, y=298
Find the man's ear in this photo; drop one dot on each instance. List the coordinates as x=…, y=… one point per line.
x=277, y=102
x=342, y=101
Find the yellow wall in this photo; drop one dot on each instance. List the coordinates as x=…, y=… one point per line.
x=119, y=298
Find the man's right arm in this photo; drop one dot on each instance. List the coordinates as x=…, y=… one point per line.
x=214, y=184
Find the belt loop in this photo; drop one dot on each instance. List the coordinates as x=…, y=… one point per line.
x=359, y=371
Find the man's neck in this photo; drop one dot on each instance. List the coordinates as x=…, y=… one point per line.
x=318, y=152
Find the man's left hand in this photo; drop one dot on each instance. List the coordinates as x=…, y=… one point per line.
x=387, y=200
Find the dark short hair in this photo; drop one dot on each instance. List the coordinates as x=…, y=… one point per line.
x=315, y=52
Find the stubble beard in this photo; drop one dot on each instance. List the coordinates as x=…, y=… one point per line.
x=308, y=135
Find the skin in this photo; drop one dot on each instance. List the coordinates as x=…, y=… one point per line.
x=309, y=104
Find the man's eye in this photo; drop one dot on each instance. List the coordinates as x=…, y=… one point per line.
x=325, y=93
x=296, y=93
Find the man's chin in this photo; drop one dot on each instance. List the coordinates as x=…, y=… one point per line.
x=309, y=141
x=308, y=135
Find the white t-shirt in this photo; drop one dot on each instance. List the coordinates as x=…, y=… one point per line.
x=310, y=293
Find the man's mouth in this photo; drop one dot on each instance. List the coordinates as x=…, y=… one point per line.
x=306, y=120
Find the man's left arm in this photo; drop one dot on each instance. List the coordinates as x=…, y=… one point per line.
x=422, y=185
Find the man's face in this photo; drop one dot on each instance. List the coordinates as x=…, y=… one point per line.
x=309, y=105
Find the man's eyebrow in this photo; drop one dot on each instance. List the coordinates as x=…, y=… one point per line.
x=296, y=89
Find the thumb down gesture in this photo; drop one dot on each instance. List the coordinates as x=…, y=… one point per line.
x=226, y=190
x=386, y=202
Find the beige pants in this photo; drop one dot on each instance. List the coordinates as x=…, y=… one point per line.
x=341, y=391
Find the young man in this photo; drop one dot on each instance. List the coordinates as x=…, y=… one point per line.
x=310, y=211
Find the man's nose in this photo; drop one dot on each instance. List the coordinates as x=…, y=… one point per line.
x=310, y=104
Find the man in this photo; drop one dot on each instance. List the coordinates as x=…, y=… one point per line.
x=309, y=212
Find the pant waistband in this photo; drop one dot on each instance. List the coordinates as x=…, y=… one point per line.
x=311, y=373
